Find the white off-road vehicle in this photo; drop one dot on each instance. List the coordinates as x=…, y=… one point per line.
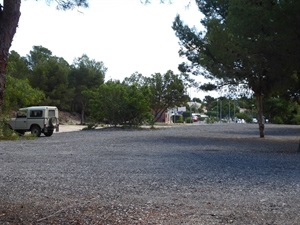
x=37, y=119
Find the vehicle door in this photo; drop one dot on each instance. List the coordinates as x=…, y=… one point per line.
x=21, y=120
x=36, y=117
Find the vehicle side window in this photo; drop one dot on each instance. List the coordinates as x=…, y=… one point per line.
x=21, y=114
x=51, y=113
x=36, y=113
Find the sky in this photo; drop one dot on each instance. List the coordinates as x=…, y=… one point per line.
x=126, y=35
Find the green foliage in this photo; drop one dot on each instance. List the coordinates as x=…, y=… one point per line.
x=188, y=120
x=277, y=120
x=19, y=93
x=167, y=91
x=10, y=14
x=17, y=66
x=61, y=83
x=137, y=105
x=119, y=104
x=212, y=114
x=255, y=43
x=85, y=75
x=197, y=100
x=38, y=55
x=244, y=116
x=210, y=120
x=50, y=74
x=177, y=118
x=5, y=132
x=282, y=111
x=135, y=79
x=42, y=78
x=74, y=87
x=296, y=119
x=244, y=42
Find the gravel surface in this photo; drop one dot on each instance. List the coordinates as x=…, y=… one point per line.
x=197, y=174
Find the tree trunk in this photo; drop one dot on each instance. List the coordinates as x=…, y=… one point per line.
x=83, y=107
x=261, y=122
x=9, y=19
x=82, y=117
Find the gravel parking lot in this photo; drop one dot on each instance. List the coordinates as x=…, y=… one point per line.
x=197, y=174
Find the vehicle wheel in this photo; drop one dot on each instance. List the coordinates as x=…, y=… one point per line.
x=48, y=133
x=35, y=131
x=53, y=121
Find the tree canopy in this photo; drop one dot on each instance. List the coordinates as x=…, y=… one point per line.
x=86, y=74
x=118, y=103
x=245, y=42
x=9, y=19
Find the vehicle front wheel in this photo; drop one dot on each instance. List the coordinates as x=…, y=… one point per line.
x=48, y=133
x=36, y=131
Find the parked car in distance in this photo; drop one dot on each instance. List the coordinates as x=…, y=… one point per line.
x=36, y=119
x=195, y=118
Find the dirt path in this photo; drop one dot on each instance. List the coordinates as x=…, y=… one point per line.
x=70, y=128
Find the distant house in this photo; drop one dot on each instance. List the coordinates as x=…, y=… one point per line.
x=162, y=117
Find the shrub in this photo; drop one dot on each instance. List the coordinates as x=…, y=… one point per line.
x=244, y=116
x=277, y=120
x=188, y=120
x=177, y=119
x=210, y=120
x=5, y=132
x=296, y=120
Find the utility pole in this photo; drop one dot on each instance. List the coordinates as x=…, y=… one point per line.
x=229, y=110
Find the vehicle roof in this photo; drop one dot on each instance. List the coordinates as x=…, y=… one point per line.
x=39, y=107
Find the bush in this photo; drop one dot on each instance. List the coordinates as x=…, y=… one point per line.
x=277, y=120
x=188, y=120
x=296, y=120
x=177, y=118
x=244, y=116
x=6, y=133
x=210, y=120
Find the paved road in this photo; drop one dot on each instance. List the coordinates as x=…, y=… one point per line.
x=203, y=174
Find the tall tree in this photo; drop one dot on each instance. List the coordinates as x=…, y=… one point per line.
x=86, y=74
x=50, y=74
x=38, y=55
x=243, y=43
x=17, y=66
x=167, y=91
x=9, y=19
